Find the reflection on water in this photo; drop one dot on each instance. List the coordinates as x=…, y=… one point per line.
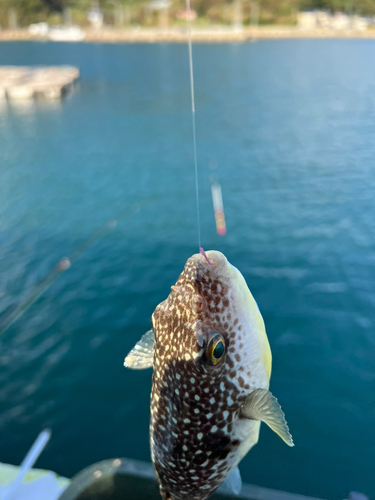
x=22, y=107
x=29, y=107
x=290, y=126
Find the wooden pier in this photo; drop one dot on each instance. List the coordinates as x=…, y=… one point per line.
x=48, y=82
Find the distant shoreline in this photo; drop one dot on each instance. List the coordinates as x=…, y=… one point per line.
x=209, y=35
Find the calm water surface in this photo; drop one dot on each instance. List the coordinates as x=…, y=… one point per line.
x=290, y=125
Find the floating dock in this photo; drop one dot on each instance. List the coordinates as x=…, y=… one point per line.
x=48, y=82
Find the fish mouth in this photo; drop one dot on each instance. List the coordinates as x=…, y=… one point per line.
x=212, y=259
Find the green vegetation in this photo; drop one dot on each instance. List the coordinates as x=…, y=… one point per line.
x=136, y=11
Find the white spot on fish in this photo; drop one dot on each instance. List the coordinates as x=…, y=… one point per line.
x=199, y=435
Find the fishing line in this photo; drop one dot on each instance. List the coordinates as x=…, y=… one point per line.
x=193, y=117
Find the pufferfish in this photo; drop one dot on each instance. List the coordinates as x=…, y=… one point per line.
x=211, y=370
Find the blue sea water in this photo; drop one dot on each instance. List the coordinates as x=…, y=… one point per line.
x=290, y=127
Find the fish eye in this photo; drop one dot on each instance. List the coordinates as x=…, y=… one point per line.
x=216, y=348
x=198, y=303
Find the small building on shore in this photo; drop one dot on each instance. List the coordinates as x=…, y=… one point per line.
x=321, y=19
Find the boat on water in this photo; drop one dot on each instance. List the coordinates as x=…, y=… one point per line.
x=66, y=34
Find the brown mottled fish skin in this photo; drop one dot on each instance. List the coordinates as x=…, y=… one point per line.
x=196, y=434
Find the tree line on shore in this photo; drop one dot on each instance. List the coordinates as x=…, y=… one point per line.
x=24, y=12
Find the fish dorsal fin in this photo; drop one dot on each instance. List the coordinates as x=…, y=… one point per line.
x=262, y=405
x=142, y=354
x=233, y=483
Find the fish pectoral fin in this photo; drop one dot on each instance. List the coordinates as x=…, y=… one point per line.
x=233, y=483
x=142, y=354
x=262, y=405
